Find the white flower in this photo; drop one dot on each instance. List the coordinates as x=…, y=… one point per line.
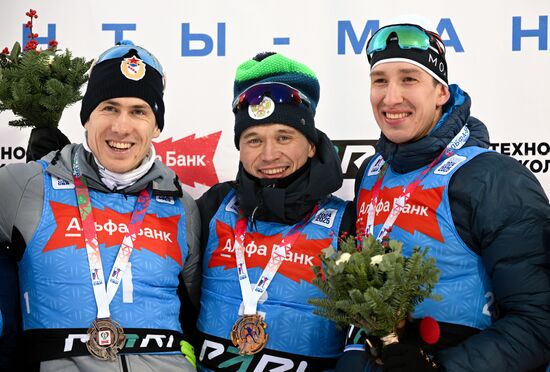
x=375, y=260
x=343, y=258
x=48, y=60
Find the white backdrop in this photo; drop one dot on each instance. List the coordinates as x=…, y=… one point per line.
x=497, y=51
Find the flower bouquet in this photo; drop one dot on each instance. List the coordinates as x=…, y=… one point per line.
x=370, y=284
x=38, y=84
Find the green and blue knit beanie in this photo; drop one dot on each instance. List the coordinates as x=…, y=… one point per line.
x=276, y=68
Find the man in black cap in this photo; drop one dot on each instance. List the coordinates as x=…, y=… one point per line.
x=104, y=234
x=262, y=232
x=484, y=217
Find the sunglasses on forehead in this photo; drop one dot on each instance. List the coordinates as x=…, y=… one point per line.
x=120, y=51
x=408, y=37
x=278, y=92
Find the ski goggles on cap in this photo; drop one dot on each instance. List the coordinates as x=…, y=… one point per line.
x=125, y=46
x=278, y=92
x=408, y=37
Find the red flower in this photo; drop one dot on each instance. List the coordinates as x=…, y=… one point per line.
x=52, y=43
x=5, y=51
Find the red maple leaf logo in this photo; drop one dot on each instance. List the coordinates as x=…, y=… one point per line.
x=297, y=265
x=418, y=214
x=191, y=158
x=157, y=235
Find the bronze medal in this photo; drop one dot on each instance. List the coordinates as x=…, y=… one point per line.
x=248, y=334
x=106, y=339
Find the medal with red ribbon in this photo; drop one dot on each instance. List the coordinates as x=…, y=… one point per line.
x=248, y=333
x=106, y=336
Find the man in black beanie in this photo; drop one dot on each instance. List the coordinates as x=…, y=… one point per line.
x=484, y=217
x=105, y=237
x=262, y=232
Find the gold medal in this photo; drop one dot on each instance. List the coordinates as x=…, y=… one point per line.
x=248, y=334
x=106, y=339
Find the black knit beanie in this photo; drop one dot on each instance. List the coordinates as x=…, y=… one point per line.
x=127, y=74
x=431, y=60
x=276, y=68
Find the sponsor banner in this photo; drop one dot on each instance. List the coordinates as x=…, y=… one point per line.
x=200, y=46
x=192, y=159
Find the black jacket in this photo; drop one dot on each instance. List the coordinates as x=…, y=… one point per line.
x=290, y=200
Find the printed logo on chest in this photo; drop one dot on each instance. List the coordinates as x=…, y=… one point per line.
x=258, y=247
x=418, y=214
x=158, y=235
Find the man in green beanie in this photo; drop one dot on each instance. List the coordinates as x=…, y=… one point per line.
x=262, y=232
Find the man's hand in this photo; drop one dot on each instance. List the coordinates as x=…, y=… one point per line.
x=43, y=140
x=406, y=357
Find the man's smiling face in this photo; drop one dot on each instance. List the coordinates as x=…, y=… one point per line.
x=406, y=101
x=120, y=132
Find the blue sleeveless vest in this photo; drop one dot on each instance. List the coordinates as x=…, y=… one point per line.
x=55, y=282
x=426, y=221
x=291, y=325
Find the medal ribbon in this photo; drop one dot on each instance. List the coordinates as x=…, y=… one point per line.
x=104, y=296
x=278, y=254
x=456, y=143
